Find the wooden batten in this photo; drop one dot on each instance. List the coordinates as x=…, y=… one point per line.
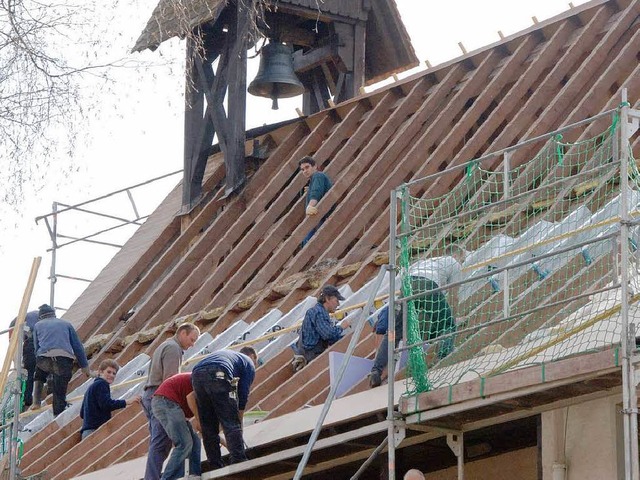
x=239, y=256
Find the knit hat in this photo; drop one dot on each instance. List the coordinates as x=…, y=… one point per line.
x=45, y=311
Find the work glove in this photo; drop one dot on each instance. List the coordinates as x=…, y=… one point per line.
x=311, y=211
x=88, y=372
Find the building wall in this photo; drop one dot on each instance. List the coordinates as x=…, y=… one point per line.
x=584, y=438
x=519, y=464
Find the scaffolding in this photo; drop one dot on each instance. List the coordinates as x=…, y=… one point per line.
x=522, y=298
x=12, y=389
x=53, y=228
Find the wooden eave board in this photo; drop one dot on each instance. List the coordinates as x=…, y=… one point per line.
x=464, y=406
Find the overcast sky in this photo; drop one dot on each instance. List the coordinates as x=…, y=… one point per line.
x=137, y=135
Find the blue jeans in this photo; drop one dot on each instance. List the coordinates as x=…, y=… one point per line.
x=382, y=355
x=159, y=441
x=185, y=440
x=86, y=433
x=218, y=405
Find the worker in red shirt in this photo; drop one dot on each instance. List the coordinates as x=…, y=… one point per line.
x=173, y=404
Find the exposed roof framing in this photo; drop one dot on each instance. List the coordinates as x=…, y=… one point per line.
x=230, y=253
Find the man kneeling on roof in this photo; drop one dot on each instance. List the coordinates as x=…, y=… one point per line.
x=221, y=382
x=318, y=330
x=434, y=316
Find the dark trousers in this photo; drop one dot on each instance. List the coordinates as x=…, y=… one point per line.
x=218, y=406
x=382, y=354
x=29, y=363
x=311, y=353
x=61, y=369
x=315, y=229
x=434, y=314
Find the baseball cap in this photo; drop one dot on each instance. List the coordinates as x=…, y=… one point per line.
x=331, y=291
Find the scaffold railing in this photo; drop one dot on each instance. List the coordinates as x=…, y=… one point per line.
x=527, y=263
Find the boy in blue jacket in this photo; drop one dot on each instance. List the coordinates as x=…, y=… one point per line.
x=98, y=404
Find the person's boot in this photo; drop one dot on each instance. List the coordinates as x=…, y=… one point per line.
x=37, y=395
x=375, y=379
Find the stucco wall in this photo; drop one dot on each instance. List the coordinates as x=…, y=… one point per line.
x=584, y=438
x=520, y=465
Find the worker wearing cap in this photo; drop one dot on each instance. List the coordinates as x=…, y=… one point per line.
x=318, y=329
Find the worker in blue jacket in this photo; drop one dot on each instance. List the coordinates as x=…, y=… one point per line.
x=221, y=383
x=56, y=344
x=318, y=329
x=97, y=403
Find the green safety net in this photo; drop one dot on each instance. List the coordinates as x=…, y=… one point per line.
x=516, y=266
x=6, y=416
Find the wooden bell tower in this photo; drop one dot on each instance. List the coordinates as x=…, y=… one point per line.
x=338, y=47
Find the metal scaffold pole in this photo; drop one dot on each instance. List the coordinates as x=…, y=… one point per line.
x=391, y=335
x=14, y=353
x=627, y=334
x=355, y=336
x=54, y=248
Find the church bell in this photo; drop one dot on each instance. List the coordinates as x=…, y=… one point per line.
x=276, y=77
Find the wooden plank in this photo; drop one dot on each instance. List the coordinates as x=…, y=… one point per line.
x=431, y=136
x=22, y=313
x=51, y=442
x=258, y=222
x=200, y=253
x=504, y=109
x=512, y=384
x=575, y=86
x=256, y=239
x=65, y=451
x=315, y=391
x=109, y=438
x=354, y=140
x=110, y=453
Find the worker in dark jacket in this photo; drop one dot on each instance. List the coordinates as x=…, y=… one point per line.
x=319, y=184
x=221, y=382
x=28, y=353
x=318, y=329
x=97, y=403
x=56, y=344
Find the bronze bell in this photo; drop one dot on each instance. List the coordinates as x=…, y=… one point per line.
x=276, y=77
